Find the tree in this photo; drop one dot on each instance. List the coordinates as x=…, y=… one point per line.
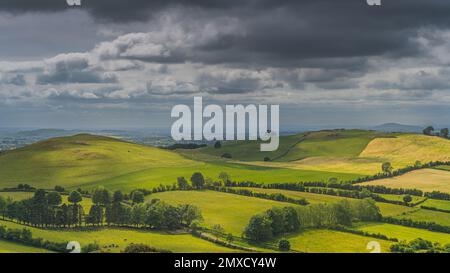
x=386, y=167
x=284, y=245
x=444, y=132
x=75, y=197
x=189, y=213
x=197, y=180
x=54, y=198
x=407, y=198
x=259, y=229
x=428, y=130
x=137, y=197
x=217, y=145
x=117, y=197
x=101, y=196
x=182, y=183
x=230, y=238
x=225, y=177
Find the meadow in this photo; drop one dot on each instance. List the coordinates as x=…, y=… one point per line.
x=404, y=233
x=10, y=247
x=425, y=179
x=439, y=204
x=386, y=209
x=330, y=241
x=89, y=161
x=231, y=211
x=441, y=218
x=121, y=237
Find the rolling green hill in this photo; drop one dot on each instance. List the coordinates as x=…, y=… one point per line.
x=88, y=161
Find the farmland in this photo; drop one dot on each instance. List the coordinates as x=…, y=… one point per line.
x=425, y=180
x=88, y=161
x=230, y=211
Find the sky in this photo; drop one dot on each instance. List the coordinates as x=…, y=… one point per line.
x=125, y=64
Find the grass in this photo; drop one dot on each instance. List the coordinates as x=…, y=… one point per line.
x=88, y=161
x=123, y=237
x=439, y=204
x=11, y=247
x=406, y=149
x=341, y=143
x=231, y=211
x=443, y=167
x=336, y=143
x=330, y=241
x=396, y=197
x=425, y=180
x=441, y=218
x=404, y=233
x=386, y=209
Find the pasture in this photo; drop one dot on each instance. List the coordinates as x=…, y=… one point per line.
x=404, y=233
x=231, y=211
x=122, y=237
x=425, y=179
x=330, y=241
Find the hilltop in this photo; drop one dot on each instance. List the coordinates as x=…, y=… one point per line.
x=89, y=161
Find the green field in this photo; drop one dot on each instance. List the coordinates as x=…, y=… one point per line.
x=10, y=247
x=441, y=218
x=385, y=208
x=330, y=241
x=341, y=143
x=439, y=204
x=231, y=211
x=123, y=237
x=89, y=161
x=404, y=233
x=396, y=197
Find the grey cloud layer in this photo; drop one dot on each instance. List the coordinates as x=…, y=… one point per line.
x=285, y=51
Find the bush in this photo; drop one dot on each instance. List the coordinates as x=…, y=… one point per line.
x=284, y=245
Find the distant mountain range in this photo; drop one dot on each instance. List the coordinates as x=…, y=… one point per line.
x=397, y=127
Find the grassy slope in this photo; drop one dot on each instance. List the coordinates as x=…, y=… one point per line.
x=441, y=218
x=404, y=150
x=11, y=247
x=123, y=237
x=340, y=143
x=439, y=204
x=88, y=161
x=404, y=233
x=231, y=211
x=425, y=179
x=385, y=208
x=329, y=241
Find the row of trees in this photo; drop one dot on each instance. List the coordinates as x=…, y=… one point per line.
x=275, y=222
x=45, y=209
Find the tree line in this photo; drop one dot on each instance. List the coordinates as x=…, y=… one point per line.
x=276, y=221
x=45, y=209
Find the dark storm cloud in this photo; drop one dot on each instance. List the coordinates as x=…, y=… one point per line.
x=279, y=33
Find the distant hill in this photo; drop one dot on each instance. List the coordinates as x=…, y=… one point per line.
x=398, y=128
